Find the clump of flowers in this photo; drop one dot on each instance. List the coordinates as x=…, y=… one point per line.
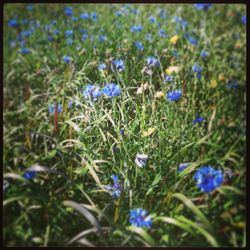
x=139, y=46
x=52, y=108
x=197, y=70
x=111, y=89
x=208, y=179
x=91, y=92
x=136, y=28
x=152, y=61
x=174, y=95
x=140, y=218
x=118, y=65
x=115, y=188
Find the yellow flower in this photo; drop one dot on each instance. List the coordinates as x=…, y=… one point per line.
x=174, y=39
x=221, y=77
x=149, y=132
x=159, y=94
x=213, y=84
x=172, y=69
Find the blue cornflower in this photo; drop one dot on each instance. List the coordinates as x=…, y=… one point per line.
x=162, y=13
x=102, y=66
x=198, y=119
x=202, y=6
x=152, y=19
x=197, y=69
x=69, y=41
x=91, y=92
x=118, y=13
x=136, y=28
x=29, y=175
x=24, y=51
x=74, y=18
x=12, y=22
x=83, y=31
x=25, y=21
x=207, y=178
x=244, y=19
x=174, y=95
x=204, y=54
x=118, y=64
x=152, y=61
x=84, y=37
x=168, y=79
x=50, y=38
x=148, y=37
x=182, y=166
x=111, y=89
x=103, y=38
x=115, y=188
x=84, y=16
x=52, y=108
x=139, y=218
x=25, y=33
x=29, y=7
x=139, y=46
x=56, y=32
x=192, y=40
x=93, y=15
x=66, y=59
x=161, y=33
x=122, y=131
x=232, y=84
x=69, y=32
x=68, y=11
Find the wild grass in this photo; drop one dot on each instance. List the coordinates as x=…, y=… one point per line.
x=75, y=152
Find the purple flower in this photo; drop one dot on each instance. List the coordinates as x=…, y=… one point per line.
x=204, y=54
x=152, y=19
x=174, y=95
x=198, y=119
x=208, y=179
x=12, y=22
x=244, y=19
x=91, y=92
x=102, y=66
x=139, y=218
x=84, y=16
x=66, y=59
x=24, y=51
x=202, y=6
x=111, y=90
x=168, y=79
x=115, y=188
x=29, y=175
x=136, y=28
x=118, y=64
x=139, y=46
x=152, y=61
x=182, y=166
x=68, y=11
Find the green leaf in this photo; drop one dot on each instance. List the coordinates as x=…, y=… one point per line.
x=193, y=208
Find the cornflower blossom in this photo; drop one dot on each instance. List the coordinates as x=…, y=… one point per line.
x=140, y=218
x=208, y=179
